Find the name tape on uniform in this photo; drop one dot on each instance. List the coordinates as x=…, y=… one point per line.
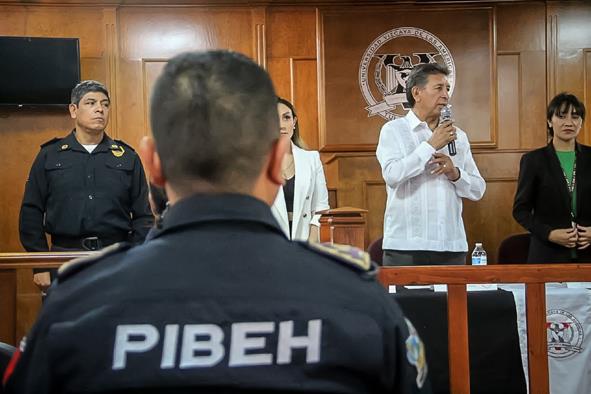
x=204, y=345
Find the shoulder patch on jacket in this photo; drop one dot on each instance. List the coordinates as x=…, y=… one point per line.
x=349, y=255
x=125, y=144
x=51, y=141
x=74, y=266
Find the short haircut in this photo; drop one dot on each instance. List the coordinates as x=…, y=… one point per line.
x=296, y=138
x=562, y=104
x=419, y=76
x=85, y=87
x=214, y=119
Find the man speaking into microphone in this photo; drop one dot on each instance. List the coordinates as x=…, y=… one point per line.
x=428, y=168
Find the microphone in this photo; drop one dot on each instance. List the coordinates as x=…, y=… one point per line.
x=444, y=116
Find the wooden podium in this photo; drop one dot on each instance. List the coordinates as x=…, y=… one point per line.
x=344, y=225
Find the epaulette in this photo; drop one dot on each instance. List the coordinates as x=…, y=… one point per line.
x=349, y=255
x=125, y=144
x=51, y=141
x=72, y=267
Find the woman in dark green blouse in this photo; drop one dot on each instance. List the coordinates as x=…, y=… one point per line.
x=553, y=198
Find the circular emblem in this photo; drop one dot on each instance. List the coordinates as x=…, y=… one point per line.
x=565, y=333
x=385, y=67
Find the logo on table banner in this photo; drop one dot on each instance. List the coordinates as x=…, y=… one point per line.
x=415, y=354
x=565, y=333
x=390, y=69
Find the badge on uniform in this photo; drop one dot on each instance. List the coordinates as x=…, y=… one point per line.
x=65, y=146
x=354, y=257
x=415, y=353
x=117, y=150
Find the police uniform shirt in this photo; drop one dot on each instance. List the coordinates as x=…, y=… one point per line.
x=71, y=193
x=220, y=299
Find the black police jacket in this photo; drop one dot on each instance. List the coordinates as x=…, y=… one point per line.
x=75, y=194
x=220, y=301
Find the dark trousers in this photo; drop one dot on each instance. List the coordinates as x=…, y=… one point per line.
x=422, y=257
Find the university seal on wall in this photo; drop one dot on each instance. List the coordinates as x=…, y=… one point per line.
x=383, y=72
x=565, y=333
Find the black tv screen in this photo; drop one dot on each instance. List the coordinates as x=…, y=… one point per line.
x=38, y=71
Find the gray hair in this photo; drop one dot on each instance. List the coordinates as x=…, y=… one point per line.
x=86, y=87
x=419, y=76
x=214, y=119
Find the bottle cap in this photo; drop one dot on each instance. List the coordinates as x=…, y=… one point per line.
x=479, y=244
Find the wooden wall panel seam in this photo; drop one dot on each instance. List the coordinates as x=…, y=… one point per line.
x=551, y=53
x=110, y=16
x=259, y=21
x=321, y=80
x=492, y=26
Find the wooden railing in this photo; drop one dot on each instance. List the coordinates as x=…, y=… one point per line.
x=456, y=277
x=20, y=300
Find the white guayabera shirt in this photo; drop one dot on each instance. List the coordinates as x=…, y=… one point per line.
x=423, y=210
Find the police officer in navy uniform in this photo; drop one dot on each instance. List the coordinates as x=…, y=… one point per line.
x=219, y=300
x=86, y=190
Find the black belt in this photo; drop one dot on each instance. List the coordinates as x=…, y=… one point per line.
x=84, y=243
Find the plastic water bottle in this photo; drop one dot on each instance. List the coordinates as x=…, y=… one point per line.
x=479, y=255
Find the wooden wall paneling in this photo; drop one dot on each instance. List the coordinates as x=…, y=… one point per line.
x=358, y=175
x=522, y=100
x=348, y=126
x=374, y=196
x=521, y=27
x=291, y=49
x=291, y=32
x=508, y=101
x=24, y=130
x=111, y=63
x=569, y=24
x=148, y=33
x=259, y=39
x=521, y=70
x=490, y=220
x=279, y=69
x=304, y=90
x=151, y=69
x=533, y=100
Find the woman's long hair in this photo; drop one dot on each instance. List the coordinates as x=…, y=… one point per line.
x=295, y=138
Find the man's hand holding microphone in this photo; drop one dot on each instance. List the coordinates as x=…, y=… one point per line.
x=444, y=134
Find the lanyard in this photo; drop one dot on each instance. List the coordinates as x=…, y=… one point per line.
x=571, y=187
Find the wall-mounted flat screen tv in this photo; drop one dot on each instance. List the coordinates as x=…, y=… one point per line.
x=38, y=71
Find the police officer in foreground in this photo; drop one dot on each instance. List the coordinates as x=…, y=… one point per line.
x=86, y=190
x=219, y=300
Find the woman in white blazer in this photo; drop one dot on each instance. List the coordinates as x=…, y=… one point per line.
x=304, y=192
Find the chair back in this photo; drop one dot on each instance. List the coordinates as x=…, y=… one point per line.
x=514, y=249
x=375, y=250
